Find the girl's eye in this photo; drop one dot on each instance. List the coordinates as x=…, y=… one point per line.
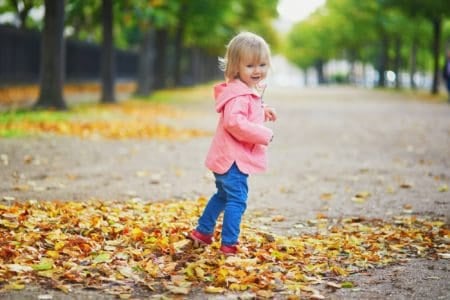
x=262, y=65
x=249, y=66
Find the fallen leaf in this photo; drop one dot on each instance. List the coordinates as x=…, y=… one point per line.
x=443, y=188
x=333, y=285
x=102, y=258
x=19, y=268
x=43, y=265
x=14, y=286
x=214, y=290
x=347, y=285
x=178, y=290
x=182, y=245
x=278, y=218
x=326, y=196
x=406, y=186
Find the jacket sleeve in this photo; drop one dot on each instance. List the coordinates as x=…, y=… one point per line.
x=237, y=123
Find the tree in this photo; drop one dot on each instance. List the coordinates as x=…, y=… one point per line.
x=107, y=65
x=21, y=9
x=52, y=59
x=434, y=11
x=310, y=43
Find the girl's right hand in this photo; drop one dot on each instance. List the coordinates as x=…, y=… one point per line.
x=270, y=114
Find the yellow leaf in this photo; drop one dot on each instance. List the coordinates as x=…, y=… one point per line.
x=326, y=196
x=59, y=245
x=14, y=286
x=199, y=272
x=137, y=234
x=214, y=290
x=443, y=188
x=238, y=287
x=52, y=254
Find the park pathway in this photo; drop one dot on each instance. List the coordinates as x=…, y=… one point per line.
x=331, y=144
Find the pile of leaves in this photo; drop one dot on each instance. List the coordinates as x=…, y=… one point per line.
x=131, y=119
x=119, y=247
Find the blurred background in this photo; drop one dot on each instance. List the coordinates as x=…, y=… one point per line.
x=138, y=46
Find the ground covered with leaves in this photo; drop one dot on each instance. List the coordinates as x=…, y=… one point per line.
x=354, y=202
x=120, y=246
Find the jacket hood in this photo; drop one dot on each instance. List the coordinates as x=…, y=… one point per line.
x=224, y=92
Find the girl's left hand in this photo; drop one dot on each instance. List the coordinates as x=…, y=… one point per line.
x=270, y=114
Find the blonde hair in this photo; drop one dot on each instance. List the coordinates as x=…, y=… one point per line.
x=243, y=45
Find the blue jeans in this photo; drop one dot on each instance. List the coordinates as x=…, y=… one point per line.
x=230, y=198
x=448, y=87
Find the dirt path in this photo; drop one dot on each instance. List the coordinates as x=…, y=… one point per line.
x=330, y=144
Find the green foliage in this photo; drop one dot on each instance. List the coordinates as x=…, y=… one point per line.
x=426, y=9
x=207, y=24
x=211, y=24
x=311, y=40
x=353, y=30
x=84, y=21
x=22, y=10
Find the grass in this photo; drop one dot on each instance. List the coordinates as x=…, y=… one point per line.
x=22, y=116
x=180, y=95
x=28, y=122
x=34, y=115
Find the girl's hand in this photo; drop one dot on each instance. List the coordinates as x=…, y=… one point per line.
x=270, y=114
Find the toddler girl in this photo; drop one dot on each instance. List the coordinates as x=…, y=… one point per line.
x=239, y=144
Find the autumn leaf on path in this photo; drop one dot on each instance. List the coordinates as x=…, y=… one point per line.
x=119, y=246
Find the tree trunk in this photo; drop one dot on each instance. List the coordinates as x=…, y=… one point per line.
x=320, y=74
x=437, y=29
x=107, y=63
x=160, y=70
x=145, y=67
x=413, y=69
x=383, y=61
x=52, y=59
x=364, y=76
x=397, y=62
x=351, y=77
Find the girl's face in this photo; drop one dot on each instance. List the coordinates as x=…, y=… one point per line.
x=252, y=71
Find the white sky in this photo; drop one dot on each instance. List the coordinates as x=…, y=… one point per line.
x=296, y=10
x=292, y=11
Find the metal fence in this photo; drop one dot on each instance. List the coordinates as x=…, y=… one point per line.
x=20, y=53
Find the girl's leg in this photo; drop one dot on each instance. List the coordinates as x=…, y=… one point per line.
x=213, y=209
x=236, y=189
x=448, y=89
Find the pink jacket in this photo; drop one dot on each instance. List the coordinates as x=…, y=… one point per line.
x=240, y=136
